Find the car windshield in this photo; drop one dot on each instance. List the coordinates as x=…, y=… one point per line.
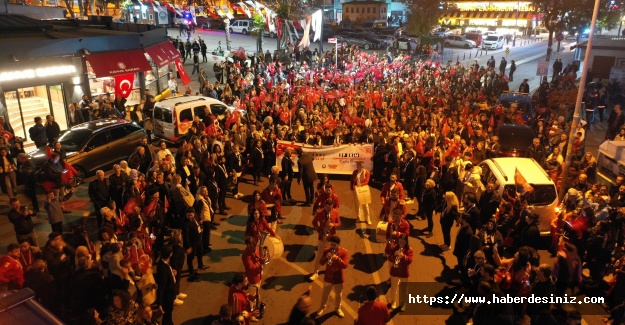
x=542, y=194
x=73, y=140
x=492, y=38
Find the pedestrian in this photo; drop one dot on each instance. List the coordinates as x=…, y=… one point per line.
x=173, y=86
x=373, y=311
x=99, y=194
x=192, y=239
x=428, y=204
x=511, y=71
x=166, y=286
x=55, y=213
x=196, y=64
x=21, y=218
x=359, y=185
x=306, y=174
x=38, y=133
x=502, y=67
x=336, y=259
x=53, y=130
x=203, y=49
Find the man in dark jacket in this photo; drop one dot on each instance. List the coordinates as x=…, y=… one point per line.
x=221, y=177
x=463, y=239
x=53, y=130
x=166, y=290
x=287, y=175
x=536, y=151
x=38, y=133
x=192, y=243
x=307, y=174
x=99, y=194
x=22, y=221
x=139, y=160
x=235, y=164
x=615, y=122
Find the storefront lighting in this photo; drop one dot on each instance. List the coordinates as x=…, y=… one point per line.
x=76, y=80
x=34, y=73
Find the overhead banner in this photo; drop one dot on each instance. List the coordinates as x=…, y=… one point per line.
x=330, y=159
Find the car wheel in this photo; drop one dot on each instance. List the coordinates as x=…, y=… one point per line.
x=79, y=177
x=244, y=32
x=447, y=44
x=467, y=46
x=367, y=46
x=231, y=31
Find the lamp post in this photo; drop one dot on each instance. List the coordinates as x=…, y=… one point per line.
x=578, y=101
x=516, y=25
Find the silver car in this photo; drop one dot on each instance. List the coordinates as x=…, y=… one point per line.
x=459, y=41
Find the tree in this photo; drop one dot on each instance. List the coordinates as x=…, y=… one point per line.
x=287, y=10
x=260, y=24
x=422, y=15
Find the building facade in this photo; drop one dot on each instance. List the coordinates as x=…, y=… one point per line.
x=358, y=11
x=502, y=16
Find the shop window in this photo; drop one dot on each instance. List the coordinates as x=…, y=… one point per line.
x=368, y=10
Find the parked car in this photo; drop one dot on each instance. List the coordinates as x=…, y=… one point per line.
x=442, y=32
x=459, y=41
x=242, y=26
x=493, y=42
x=476, y=37
x=401, y=43
x=94, y=145
x=210, y=23
x=359, y=40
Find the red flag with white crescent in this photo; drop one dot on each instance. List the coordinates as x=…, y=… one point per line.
x=183, y=73
x=279, y=27
x=123, y=84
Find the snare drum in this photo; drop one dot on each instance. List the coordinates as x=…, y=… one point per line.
x=380, y=232
x=275, y=247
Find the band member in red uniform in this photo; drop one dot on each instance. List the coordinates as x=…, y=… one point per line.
x=253, y=264
x=327, y=194
x=273, y=195
x=238, y=299
x=258, y=203
x=257, y=223
x=400, y=259
x=360, y=182
x=321, y=187
x=385, y=194
x=392, y=203
x=337, y=259
x=373, y=312
x=325, y=222
x=11, y=271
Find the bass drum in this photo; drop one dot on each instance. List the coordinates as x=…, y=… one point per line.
x=275, y=247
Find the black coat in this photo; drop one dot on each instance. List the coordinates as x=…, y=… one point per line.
x=166, y=290
x=235, y=162
x=463, y=241
x=287, y=168
x=257, y=159
x=191, y=236
x=306, y=168
x=428, y=202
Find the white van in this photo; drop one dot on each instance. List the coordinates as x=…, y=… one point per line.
x=542, y=201
x=242, y=27
x=493, y=42
x=172, y=117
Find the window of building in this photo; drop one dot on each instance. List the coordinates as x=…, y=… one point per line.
x=375, y=10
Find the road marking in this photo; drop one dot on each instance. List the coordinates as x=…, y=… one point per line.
x=345, y=306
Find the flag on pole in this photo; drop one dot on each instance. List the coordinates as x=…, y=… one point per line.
x=521, y=183
x=245, y=9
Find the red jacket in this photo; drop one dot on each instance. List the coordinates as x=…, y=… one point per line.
x=319, y=223
x=403, y=228
x=363, y=181
x=320, y=201
x=389, y=206
x=385, y=194
x=273, y=198
x=237, y=299
x=262, y=206
x=402, y=271
x=11, y=272
x=334, y=273
x=253, y=229
x=373, y=313
x=252, y=264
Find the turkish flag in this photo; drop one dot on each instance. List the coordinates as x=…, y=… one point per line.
x=279, y=27
x=123, y=84
x=183, y=74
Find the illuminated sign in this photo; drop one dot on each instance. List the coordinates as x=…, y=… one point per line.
x=34, y=73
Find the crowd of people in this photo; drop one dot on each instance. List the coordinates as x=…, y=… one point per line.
x=431, y=124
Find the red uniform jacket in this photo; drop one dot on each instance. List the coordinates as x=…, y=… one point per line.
x=237, y=299
x=320, y=201
x=319, y=222
x=273, y=197
x=261, y=205
x=253, y=267
x=334, y=273
x=389, y=206
x=385, y=194
x=11, y=272
x=363, y=181
x=402, y=271
x=404, y=228
x=253, y=229
x=373, y=313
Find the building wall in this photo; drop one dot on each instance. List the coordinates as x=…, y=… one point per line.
x=359, y=12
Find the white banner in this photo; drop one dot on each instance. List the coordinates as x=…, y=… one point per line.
x=330, y=159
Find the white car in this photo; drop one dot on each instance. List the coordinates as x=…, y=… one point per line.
x=459, y=41
x=493, y=42
x=442, y=32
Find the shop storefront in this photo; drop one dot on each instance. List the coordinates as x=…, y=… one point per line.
x=35, y=88
x=163, y=57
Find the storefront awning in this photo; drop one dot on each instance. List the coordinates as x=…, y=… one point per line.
x=495, y=15
x=158, y=55
x=172, y=53
x=114, y=63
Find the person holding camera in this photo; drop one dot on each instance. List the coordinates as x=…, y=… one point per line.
x=21, y=218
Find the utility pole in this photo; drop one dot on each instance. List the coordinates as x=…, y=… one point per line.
x=578, y=102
